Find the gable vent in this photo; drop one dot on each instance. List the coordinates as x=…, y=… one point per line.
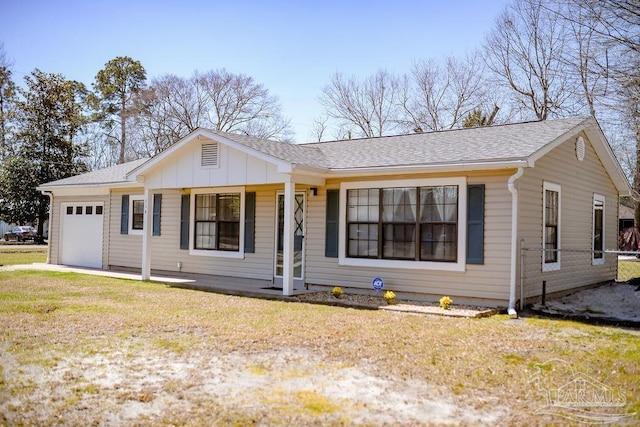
x=580, y=149
x=210, y=154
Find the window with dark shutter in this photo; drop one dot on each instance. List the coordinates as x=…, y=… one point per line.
x=475, y=224
x=184, y=221
x=157, y=207
x=249, y=222
x=331, y=230
x=124, y=215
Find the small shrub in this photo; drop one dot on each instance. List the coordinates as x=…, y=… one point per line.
x=337, y=292
x=390, y=297
x=445, y=302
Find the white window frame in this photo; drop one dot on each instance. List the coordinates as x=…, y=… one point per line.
x=192, y=214
x=550, y=186
x=133, y=198
x=459, y=265
x=601, y=199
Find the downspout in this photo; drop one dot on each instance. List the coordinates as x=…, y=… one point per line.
x=50, y=195
x=511, y=310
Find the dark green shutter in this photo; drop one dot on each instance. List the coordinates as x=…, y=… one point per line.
x=331, y=230
x=157, y=206
x=475, y=224
x=249, y=222
x=124, y=215
x=184, y=221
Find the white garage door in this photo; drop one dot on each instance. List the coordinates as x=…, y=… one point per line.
x=81, y=234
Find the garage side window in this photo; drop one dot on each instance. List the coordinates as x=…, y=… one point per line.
x=132, y=214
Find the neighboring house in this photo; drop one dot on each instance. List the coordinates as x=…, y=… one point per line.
x=433, y=214
x=626, y=215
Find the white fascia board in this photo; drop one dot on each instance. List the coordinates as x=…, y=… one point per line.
x=449, y=167
x=608, y=159
x=87, y=189
x=558, y=141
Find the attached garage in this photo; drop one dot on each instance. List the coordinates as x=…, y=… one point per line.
x=81, y=227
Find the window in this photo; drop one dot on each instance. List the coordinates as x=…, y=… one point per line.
x=78, y=210
x=217, y=222
x=137, y=213
x=598, y=229
x=99, y=210
x=134, y=215
x=412, y=226
x=69, y=210
x=551, y=231
x=89, y=210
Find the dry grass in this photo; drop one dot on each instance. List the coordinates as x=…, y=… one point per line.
x=78, y=350
x=11, y=254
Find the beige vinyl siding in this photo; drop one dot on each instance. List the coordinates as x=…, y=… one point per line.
x=489, y=282
x=54, y=224
x=125, y=250
x=166, y=252
x=578, y=181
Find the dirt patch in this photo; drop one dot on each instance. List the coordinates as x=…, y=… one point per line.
x=619, y=301
x=149, y=387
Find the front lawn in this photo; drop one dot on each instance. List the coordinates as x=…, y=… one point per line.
x=11, y=254
x=82, y=350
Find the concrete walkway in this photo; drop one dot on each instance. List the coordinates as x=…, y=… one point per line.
x=204, y=282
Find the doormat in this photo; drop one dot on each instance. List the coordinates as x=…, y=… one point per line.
x=275, y=288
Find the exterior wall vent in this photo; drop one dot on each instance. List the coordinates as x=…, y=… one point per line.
x=580, y=149
x=210, y=154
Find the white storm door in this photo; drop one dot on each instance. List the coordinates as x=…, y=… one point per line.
x=298, y=240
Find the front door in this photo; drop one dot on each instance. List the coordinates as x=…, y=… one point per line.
x=298, y=240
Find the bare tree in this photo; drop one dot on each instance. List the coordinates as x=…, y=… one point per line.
x=525, y=49
x=319, y=126
x=236, y=103
x=174, y=106
x=441, y=97
x=367, y=107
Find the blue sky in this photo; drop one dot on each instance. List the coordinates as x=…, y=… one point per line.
x=291, y=47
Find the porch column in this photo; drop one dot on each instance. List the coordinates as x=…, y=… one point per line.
x=146, y=236
x=287, y=265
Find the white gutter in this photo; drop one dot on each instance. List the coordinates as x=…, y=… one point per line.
x=511, y=310
x=50, y=195
x=426, y=168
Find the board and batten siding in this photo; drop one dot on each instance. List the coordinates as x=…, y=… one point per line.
x=184, y=169
x=578, y=181
x=488, y=282
x=56, y=219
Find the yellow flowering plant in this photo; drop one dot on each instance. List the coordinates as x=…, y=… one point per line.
x=390, y=297
x=337, y=291
x=445, y=302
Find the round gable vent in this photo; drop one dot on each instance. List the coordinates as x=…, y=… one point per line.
x=580, y=150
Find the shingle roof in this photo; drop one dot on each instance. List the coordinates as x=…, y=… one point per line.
x=299, y=154
x=501, y=143
x=475, y=145
x=111, y=175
